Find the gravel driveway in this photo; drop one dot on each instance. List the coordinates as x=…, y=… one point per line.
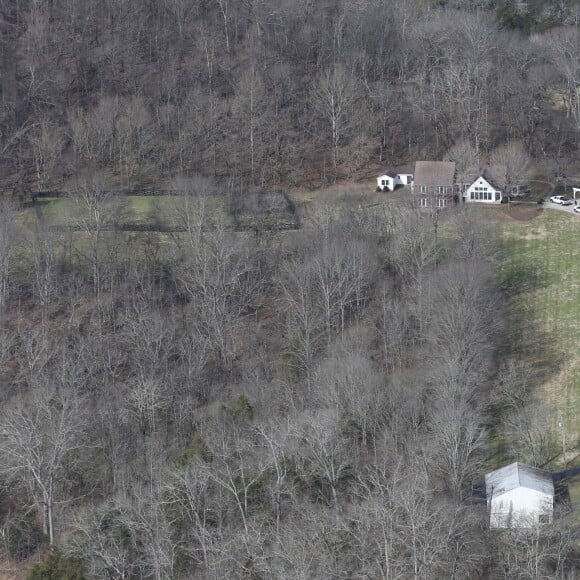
x=550, y=205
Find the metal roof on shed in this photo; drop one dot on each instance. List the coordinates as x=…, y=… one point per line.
x=517, y=475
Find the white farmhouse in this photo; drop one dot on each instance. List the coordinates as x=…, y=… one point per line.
x=482, y=191
x=519, y=496
x=389, y=180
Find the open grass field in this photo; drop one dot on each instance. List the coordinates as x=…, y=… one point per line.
x=343, y=196
x=271, y=210
x=540, y=269
x=130, y=210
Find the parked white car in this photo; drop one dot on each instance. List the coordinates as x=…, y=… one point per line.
x=561, y=200
x=577, y=208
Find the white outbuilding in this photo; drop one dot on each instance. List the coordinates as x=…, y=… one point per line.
x=391, y=179
x=386, y=182
x=519, y=496
x=482, y=191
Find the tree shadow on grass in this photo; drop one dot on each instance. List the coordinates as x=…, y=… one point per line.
x=519, y=278
x=525, y=338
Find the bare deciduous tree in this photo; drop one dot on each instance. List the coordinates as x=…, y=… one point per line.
x=341, y=274
x=237, y=471
x=458, y=441
x=466, y=158
x=326, y=452
x=563, y=49
x=189, y=496
x=509, y=165
x=123, y=537
x=349, y=382
x=7, y=232
x=47, y=142
x=276, y=439
x=40, y=439
x=303, y=318
x=335, y=96
x=97, y=211
x=394, y=330
x=44, y=263
x=219, y=277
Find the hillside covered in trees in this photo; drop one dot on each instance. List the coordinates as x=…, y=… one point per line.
x=223, y=399
x=278, y=91
x=316, y=404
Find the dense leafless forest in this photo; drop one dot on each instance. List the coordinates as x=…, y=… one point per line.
x=279, y=91
x=319, y=403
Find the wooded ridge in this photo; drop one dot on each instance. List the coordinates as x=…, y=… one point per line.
x=279, y=91
x=186, y=390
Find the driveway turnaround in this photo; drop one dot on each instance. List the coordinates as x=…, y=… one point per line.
x=551, y=205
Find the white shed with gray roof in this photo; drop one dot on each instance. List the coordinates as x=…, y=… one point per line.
x=519, y=496
x=390, y=179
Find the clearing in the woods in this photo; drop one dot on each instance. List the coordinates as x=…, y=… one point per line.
x=540, y=270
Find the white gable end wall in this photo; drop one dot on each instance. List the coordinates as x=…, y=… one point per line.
x=521, y=507
x=386, y=183
x=481, y=191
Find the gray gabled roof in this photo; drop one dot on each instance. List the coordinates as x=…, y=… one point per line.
x=434, y=173
x=485, y=175
x=517, y=475
x=402, y=170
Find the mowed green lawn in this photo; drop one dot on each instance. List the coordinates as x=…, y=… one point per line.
x=138, y=210
x=540, y=269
